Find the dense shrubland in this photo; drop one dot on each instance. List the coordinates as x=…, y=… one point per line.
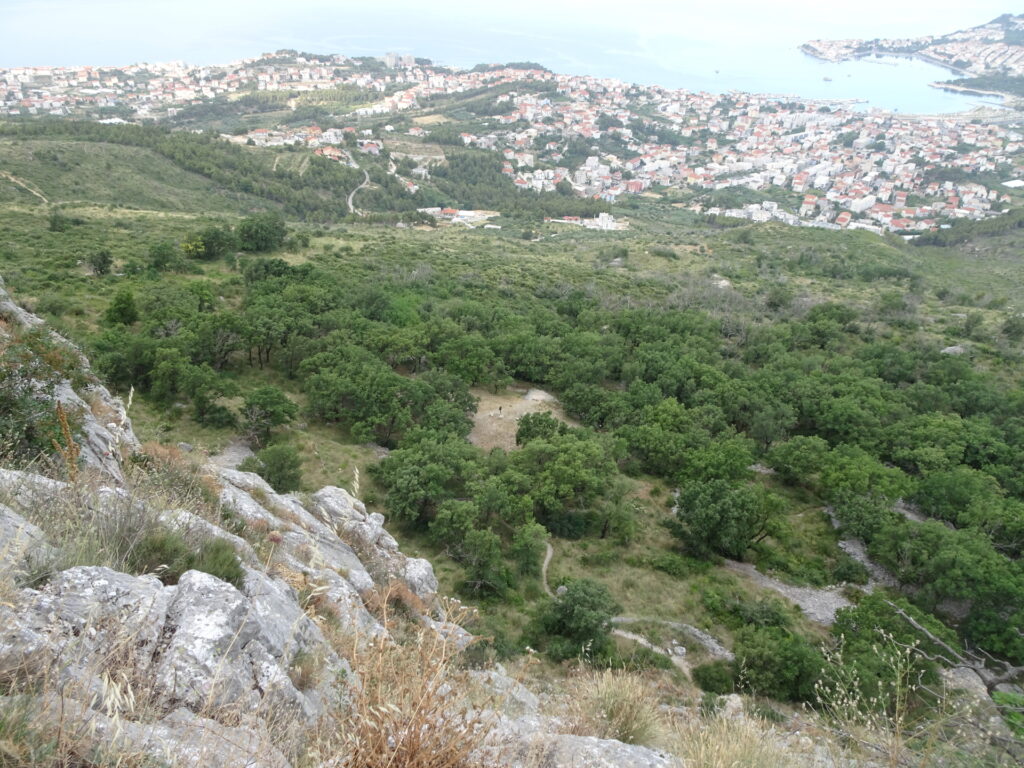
x=856, y=419
x=389, y=340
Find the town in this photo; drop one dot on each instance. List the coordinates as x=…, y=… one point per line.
x=986, y=49
x=802, y=162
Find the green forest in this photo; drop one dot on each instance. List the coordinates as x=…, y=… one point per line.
x=832, y=379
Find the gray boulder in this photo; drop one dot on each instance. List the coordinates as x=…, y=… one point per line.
x=26, y=491
x=377, y=549
x=100, y=608
x=529, y=741
x=203, y=661
x=25, y=650
x=12, y=313
x=181, y=739
x=21, y=542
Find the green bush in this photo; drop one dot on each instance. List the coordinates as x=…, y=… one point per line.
x=715, y=677
x=279, y=465
x=122, y=309
x=735, y=611
x=1011, y=706
x=675, y=565
x=849, y=570
x=169, y=556
x=30, y=369
x=578, y=622
x=663, y=252
x=777, y=663
x=217, y=558
x=641, y=659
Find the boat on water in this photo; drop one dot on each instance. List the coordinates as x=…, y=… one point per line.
x=827, y=79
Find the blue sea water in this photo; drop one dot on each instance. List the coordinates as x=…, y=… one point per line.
x=773, y=66
x=740, y=45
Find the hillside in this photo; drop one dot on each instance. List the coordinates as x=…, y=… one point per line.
x=65, y=172
x=764, y=439
x=162, y=611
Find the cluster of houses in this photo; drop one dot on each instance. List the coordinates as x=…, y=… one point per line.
x=859, y=169
x=854, y=168
x=604, y=138
x=157, y=90
x=981, y=50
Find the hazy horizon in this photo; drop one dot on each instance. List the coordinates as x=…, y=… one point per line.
x=459, y=32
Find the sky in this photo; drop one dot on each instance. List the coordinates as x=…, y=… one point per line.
x=569, y=35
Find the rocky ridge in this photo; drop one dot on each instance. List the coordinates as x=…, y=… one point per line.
x=202, y=672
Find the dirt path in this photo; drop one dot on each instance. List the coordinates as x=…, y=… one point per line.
x=549, y=552
x=714, y=648
x=818, y=603
x=234, y=453
x=24, y=185
x=677, y=659
x=497, y=415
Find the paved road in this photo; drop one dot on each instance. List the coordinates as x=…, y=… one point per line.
x=352, y=194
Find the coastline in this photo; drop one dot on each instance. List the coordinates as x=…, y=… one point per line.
x=815, y=53
x=1008, y=100
x=954, y=88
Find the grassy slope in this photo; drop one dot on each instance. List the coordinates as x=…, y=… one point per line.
x=39, y=263
x=107, y=174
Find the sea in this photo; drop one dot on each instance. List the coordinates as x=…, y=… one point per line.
x=740, y=45
x=891, y=83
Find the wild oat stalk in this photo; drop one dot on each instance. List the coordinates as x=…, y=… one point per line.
x=70, y=451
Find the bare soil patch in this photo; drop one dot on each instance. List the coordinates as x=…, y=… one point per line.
x=497, y=415
x=430, y=119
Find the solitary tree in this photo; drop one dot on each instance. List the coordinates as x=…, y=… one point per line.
x=262, y=232
x=122, y=309
x=279, y=465
x=726, y=518
x=264, y=408
x=100, y=262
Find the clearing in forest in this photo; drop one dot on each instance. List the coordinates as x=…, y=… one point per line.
x=497, y=415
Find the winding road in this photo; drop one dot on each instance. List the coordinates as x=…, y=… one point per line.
x=352, y=194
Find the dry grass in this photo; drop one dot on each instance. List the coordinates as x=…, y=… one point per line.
x=89, y=523
x=101, y=409
x=724, y=742
x=616, y=705
x=896, y=730
x=306, y=670
x=35, y=734
x=433, y=119
x=394, y=600
x=410, y=707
